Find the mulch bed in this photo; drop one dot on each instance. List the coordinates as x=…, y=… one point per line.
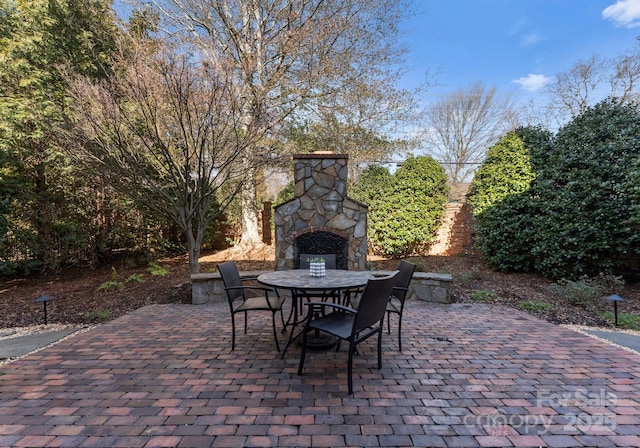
x=79, y=298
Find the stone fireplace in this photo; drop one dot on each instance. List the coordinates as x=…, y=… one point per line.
x=321, y=219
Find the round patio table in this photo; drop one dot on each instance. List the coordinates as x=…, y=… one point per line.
x=301, y=284
x=300, y=279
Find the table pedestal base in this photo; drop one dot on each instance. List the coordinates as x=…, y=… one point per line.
x=319, y=340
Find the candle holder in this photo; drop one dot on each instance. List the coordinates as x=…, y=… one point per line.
x=317, y=267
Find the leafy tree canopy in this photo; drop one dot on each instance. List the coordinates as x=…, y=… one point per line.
x=39, y=40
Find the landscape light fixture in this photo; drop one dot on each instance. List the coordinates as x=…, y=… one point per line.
x=44, y=299
x=615, y=298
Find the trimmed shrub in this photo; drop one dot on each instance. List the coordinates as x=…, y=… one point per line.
x=405, y=208
x=505, y=172
x=506, y=232
x=587, y=220
x=503, y=208
x=581, y=214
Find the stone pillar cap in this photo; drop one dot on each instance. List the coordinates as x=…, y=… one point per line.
x=321, y=155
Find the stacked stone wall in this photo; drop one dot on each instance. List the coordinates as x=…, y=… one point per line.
x=426, y=286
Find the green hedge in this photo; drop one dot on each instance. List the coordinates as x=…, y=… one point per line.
x=580, y=214
x=405, y=208
x=506, y=171
x=502, y=206
x=588, y=220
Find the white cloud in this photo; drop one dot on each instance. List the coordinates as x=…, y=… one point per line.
x=624, y=13
x=531, y=39
x=532, y=82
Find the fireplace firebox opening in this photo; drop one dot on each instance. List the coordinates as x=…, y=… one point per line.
x=322, y=243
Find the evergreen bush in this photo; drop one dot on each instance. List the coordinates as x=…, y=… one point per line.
x=286, y=194
x=505, y=233
x=580, y=214
x=405, y=208
x=500, y=197
x=587, y=214
x=506, y=171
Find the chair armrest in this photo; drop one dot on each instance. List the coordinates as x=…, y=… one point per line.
x=403, y=292
x=251, y=288
x=249, y=278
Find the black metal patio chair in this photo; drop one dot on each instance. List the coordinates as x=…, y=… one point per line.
x=345, y=323
x=398, y=296
x=244, y=298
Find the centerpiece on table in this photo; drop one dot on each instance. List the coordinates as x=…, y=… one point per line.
x=317, y=267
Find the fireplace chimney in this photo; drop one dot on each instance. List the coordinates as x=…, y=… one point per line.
x=321, y=218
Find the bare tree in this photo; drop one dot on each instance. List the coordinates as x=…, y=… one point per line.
x=370, y=123
x=285, y=54
x=625, y=75
x=163, y=129
x=576, y=89
x=463, y=125
x=586, y=83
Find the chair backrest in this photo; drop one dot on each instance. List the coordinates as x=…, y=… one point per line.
x=230, y=278
x=373, y=302
x=403, y=279
x=329, y=260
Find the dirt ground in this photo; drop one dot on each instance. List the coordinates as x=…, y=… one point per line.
x=82, y=296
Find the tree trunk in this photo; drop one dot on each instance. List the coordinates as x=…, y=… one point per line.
x=43, y=222
x=193, y=248
x=194, y=242
x=250, y=224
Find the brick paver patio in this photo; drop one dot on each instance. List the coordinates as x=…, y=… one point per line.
x=469, y=375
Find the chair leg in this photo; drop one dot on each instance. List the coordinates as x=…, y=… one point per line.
x=380, y=347
x=245, y=322
x=350, y=368
x=233, y=331
x=304, y=350
x=275, y=333
x=400, y=332
x=388, y=323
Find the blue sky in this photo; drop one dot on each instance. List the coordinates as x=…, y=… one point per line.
x=514, y=45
